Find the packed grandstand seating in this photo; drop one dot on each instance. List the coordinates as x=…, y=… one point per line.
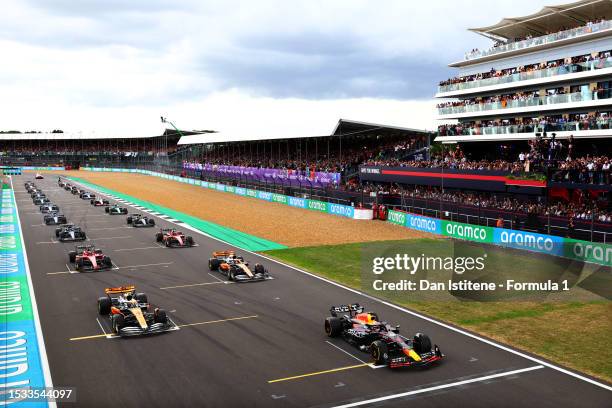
x=560, y=66
x=574, y=122
x=530, y=40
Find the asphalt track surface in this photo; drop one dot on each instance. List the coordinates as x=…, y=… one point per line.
x=260, y=344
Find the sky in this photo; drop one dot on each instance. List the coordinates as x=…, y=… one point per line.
x=259, y=67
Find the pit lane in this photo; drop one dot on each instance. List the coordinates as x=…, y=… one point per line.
x=234, y=362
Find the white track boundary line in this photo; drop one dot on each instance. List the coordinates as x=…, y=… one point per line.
x=410, y=312
x=439, y=387
x=44, y=361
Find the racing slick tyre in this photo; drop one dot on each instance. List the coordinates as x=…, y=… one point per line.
x=106, y=261
x=72, y=256
x=118, y=322
x=380, y=352
x=333, y=326
x=129, y=220
x=141, y=298
x=151, y=221
x=259, y=268
x=104, y=305
x=159, y=237
x=422, y=343
x=189, y=241
x=160, y=316
x=106, y=209
x=213, y=264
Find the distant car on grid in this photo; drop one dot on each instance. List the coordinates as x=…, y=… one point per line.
x=139, y=220
x=99, y=202
x=115, y=209
x=55, y=218
x=89, y=258
x=70, y=233
x=172, y=238
x=49, y=208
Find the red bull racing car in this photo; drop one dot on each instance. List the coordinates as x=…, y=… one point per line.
x=89, y=258
x=387, y=347
x=172, y=238
x=235, y=267
x=131, y=314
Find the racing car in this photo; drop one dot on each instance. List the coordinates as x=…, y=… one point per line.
x=38, y=176
x=89, y=258
x=235, y=268
x=55, y=218
x=173, y=238
x=387, y=347
x=99, y=202
x=48, y=208
x=116, y=210
x=40, y=200
x=70, y=232
x=139, y=220
x=86, y=195
x=130, y=312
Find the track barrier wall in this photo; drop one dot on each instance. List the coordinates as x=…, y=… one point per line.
x=583, y=251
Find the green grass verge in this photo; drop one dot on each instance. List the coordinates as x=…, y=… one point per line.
x=547, y=327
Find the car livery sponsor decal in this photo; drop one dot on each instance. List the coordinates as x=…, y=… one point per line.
x=22, y=364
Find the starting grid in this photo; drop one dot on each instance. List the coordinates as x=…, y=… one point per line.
x=22, y=365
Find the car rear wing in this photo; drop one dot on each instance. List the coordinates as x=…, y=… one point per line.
x=350, y=309
x=120, y=289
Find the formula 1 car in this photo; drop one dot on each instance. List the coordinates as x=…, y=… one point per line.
x=99, y=202
x=116, y=210
x=130, y=314
x=235, y=268
x=383, y=341
x=48, y=208
x=139, y=220
x=40, y=200
x=69, y=233
x=38, y=176
x=86, y=195
x=89, y=258
x=173, y=238
x=55, y=218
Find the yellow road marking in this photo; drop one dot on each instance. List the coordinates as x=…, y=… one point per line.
x=333, y=370
x=194, y=284
x=97, y=336
x=218, y=321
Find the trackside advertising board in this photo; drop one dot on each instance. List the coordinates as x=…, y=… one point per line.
x=21, y=362
x=592, y=252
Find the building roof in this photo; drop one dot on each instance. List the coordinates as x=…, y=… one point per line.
x=343, y=127
x=549, y=19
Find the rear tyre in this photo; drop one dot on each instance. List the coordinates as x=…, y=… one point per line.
x=421, y=343
x=118, y=322
x=104, y=305
x=333, y=326
x=380, y=352
x=141, y=298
